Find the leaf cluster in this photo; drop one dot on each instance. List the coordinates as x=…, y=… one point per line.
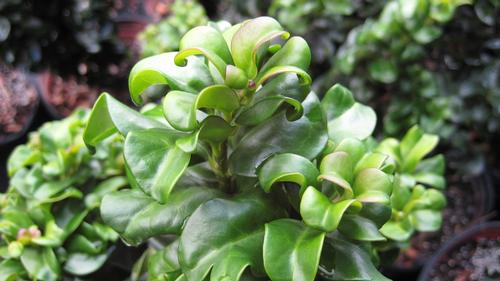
x=245, y=171
x=49, y=220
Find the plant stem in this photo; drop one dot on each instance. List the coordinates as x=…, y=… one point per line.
x=218, y=163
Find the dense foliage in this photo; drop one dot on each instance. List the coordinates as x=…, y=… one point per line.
x=417, y=199
x=245, y=170
x=325, y=24
x=416, y=61
x=70, y=37
x=49, y=222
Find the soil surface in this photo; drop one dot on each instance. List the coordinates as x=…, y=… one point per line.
x=464, y=208
x=18, y=101
x=65, y=95
x=474, y=261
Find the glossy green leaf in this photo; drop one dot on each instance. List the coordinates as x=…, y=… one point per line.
x=349, y=262
x=235, y=78
x=215, y=129
x=295, y=52
x=287, y=85
x=287, y=167
x=414, y=146
x=337, y=167
x=390, y=147
x=218, y=97
x=355, y=149
x=211, y=43
x=427, y=220
x=378, y=213
x=266, y=107
x=41, y=264
x=303, y=76
x=228, y=34
x=71, y=216
x=370, y=160
x=83, y=264
x=430, y=172
x=85, y=245
x=144, y=217
x=227, y=236
x=337, y=100
x=319, y=212
x=162, y=70
x=437, y=200
x=249, y=37
x=397, y=230
x=400, y=196
x=292, y=250
x=305, y=137
x=20, y=157
x=372, y=185
x=178, y=108
x=349, y=119
x=359, y=228
x=155, y=161
x=109, y=116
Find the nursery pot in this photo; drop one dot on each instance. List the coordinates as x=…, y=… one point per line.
x=470, y=201
x=469, y=256
x=18, y=103
x=62, y=96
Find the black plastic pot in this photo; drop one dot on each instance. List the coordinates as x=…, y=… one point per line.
x=483, y=192
x=490, y=230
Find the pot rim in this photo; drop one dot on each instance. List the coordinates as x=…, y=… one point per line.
x=467, y=235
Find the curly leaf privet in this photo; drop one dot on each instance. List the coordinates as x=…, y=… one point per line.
x=49, y=219
x=388, y=51
x=242, y=169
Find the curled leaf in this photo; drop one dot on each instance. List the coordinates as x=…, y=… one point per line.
x=319, y=212
x=249, y=37
x=162, y=70
x=287, y=167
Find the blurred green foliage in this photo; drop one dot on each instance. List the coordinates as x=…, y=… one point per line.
x=165, y=36
x=49, y=220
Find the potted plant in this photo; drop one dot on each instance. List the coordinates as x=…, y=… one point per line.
x=417, y=198
x=49, y=219
x=18, y=103
x=242, y=170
